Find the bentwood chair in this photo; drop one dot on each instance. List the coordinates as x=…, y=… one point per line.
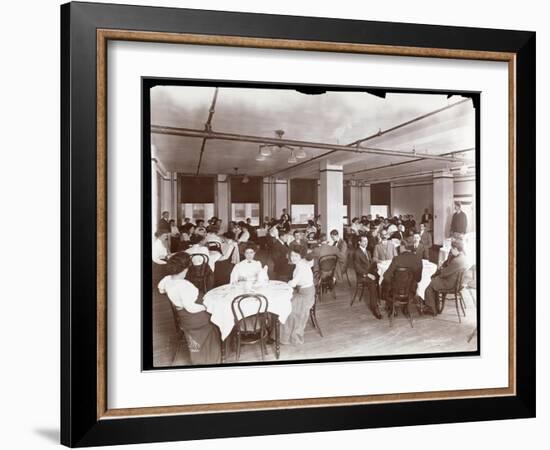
x=214, y=246
x=326, y=274
x=455, y=293
x=252, y=328
x=313, y=312
x=401, y=293
x=179, y=328
x=199, y=270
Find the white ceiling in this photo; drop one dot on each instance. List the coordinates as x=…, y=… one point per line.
x=333, y=117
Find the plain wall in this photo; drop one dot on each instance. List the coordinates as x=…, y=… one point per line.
x=411, y=198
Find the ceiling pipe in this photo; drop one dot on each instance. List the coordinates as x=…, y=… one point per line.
x=378, y=134
x=207, y=127
x=206, y=134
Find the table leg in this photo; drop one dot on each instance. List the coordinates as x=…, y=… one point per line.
x=277, y=337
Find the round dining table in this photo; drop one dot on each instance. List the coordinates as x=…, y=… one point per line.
x=218, y=302
x=428, y=269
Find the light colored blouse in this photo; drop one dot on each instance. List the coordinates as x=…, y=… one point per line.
x=182, y=293
x=246, y=270
x=159, y=252
x=302, y=276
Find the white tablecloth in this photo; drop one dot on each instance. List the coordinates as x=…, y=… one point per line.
x=428, y=269
x=218, y=302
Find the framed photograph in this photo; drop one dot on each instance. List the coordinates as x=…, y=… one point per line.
x=277, y=224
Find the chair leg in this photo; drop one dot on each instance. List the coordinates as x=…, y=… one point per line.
x=313, y=317
x=238, y=344
x=462, y=304
x=347, y=276
x=457, y=300
x=359, y=289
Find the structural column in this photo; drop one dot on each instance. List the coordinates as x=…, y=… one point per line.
x=365, y=200
x=443, y=192
x=222, y=200
x=331, y=197
x=281, y=197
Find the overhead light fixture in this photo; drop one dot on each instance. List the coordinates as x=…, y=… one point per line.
x=246, y=179
x=463, y=170
x=260, y=156
x=266, y=150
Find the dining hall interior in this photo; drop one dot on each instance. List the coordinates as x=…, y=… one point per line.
x=362, y=203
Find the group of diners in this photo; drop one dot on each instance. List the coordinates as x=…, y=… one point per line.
x=191, y=259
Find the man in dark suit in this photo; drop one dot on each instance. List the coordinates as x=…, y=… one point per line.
x=366, y=270
x=446, y=276
x=400, y=233
x=459, y=223
x=418, y=248
x=163, y=224
x=279, y=254
x=406, y=259
x=323, y=249
x=299, y=242
x=342, y=248
x=426, y=217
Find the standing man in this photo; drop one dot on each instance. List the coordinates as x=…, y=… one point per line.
x=384, y=250
x=164, y=223
x=459, y=223
x=367, y=271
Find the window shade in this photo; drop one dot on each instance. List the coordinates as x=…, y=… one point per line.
x=250, y=192
x=196, y=189
x=303, y=192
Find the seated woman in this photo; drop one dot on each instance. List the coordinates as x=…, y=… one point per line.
x=202, y=336
x=203, y=280
x=249, y=269
x=160, y=255
x=186, y=232
x=292, y=331
x=311, y=228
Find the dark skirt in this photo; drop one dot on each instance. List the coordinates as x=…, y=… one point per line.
x=292, y=331
x=202, y=337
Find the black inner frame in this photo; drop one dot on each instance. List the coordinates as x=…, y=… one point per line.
x=312, y=89
x=80, y=425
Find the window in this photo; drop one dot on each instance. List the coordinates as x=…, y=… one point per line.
x=196, y=211
x=302, y=213
x=345, y=218
x=243, y=211
x=381, y=210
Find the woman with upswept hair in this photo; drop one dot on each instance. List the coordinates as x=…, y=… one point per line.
x=202, y=336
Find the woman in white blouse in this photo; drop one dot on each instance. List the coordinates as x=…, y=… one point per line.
x=292, y=331
x=249, y=269
x=202, y=337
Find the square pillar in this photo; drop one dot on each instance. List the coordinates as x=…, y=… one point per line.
x=222, y=200
x=443, y=195
x=331, y=197
x=268, y=196
x=281, y=198
x=365, y=200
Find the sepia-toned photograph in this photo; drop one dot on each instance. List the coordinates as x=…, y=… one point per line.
x=295, y=223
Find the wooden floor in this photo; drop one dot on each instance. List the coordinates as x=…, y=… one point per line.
x=348, y=332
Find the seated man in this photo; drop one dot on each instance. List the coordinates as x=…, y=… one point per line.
x=323, y=249
x=385, y=250
x=445, y=277
x=426, y=237
x=342, y=248
x=418, y=247
x=299, y=241
x=279, y=254
x=406, y=259
x=367, y=272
